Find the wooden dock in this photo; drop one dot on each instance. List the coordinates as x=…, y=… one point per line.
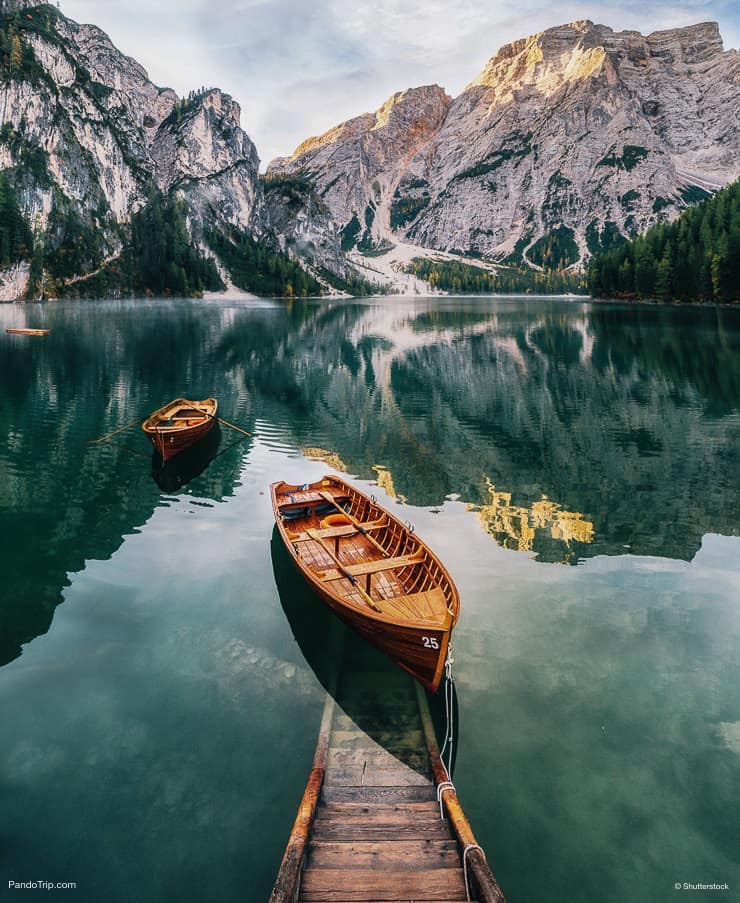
x=369, y=826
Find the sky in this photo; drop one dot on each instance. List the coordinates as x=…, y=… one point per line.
x=299, y=68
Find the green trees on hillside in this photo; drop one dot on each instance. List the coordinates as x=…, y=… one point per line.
x=455, y=276
x=255, y=268
x=696, y=258
x=161, y=260
x=16, y=239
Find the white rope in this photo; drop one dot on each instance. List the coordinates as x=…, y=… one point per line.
x=449, y=714
x=441, y=788
x=468, y=848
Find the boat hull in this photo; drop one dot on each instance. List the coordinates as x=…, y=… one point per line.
x=412, y=625
x=170, y=440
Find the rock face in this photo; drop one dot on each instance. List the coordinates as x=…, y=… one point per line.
x=357, y=166
x=566, y=139
x=88, y=135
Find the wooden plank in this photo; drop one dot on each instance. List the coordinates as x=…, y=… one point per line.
x=333, y=885
x=400, y=720
x=359, y=776
x=402, y=854
x=397, y=794
x=383, y=564
x=408, y=808
x=390, y=740
x=14, y=331
x=360, y=829
x=327, y=533
x=379, y=757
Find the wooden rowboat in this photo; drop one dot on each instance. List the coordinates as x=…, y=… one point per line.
x=180, y=424
x=372, y=571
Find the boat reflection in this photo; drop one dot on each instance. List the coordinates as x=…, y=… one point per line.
x=373, y=693
x=173, y=475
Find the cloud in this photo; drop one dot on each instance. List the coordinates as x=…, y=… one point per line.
x=298, y=68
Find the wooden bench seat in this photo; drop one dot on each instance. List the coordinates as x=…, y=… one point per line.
x=368, y=568
x=301, y=498
x=383, y=564
x=334, y=532
x=327, y=533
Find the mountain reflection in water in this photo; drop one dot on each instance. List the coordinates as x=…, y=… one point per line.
x=571, y=430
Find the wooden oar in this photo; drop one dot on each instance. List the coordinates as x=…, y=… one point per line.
x=115, y=432
x=225, y=422
x=328, y=497
x=340, y=567
x=237, y=428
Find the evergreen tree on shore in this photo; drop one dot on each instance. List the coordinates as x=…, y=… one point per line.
x=696, y=258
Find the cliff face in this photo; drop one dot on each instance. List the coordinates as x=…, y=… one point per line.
x=566, y=139
x=356, y=167
x=87, y=137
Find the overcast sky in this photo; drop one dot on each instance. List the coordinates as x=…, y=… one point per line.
x=298, y=68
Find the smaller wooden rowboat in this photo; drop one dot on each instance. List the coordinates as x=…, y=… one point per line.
x=372, y=571
x=28, y=331
x=180, y=424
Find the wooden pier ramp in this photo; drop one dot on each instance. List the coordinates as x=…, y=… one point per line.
x=369, y=826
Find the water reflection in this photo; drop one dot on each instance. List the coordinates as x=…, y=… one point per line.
x=559, y=535
x=173, y=475
x=612, y=428
x=373, y=693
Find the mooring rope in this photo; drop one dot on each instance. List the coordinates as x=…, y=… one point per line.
x=449, y=692
x=468, y=848
x=445, y=785
x=449, y=732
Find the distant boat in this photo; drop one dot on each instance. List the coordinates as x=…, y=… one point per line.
x=28, y=331
x=180, y=424
x=372, y=571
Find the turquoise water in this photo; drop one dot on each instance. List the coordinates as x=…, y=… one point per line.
x=575, y=466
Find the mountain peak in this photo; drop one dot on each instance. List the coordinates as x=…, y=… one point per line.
x=421, y=109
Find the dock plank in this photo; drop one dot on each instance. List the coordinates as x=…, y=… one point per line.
x=378, y=758
x=370, y=776
x=389, y=854
x=389, y=794
x=390, y=740
x=400, y=829
x=374, y=809
x=334, y=885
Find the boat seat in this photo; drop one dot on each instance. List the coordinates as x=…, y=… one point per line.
x=373, y=567
x=429, y=606
x=300, y=499
x=337, y=532
x=383, y=564
x=327, y=533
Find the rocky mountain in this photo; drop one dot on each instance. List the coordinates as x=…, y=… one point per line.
x=87, y=140
x=566, y=141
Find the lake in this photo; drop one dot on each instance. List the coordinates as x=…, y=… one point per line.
x=574, y=465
